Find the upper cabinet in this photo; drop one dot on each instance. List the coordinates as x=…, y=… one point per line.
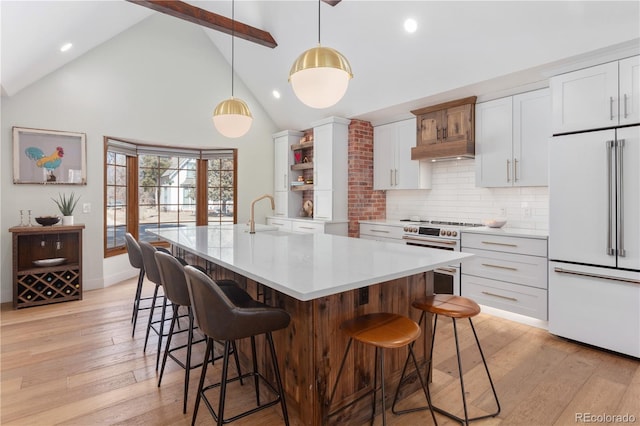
x=598, y=97
x=393, y=167
x=512, y=137
x=330, y=159
x=445, y=130
x=288, y=203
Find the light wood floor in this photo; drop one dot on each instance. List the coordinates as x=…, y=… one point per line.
x=76, y=363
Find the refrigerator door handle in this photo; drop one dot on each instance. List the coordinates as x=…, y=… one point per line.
x=620, y=198
x=610, y=205
x=599, y=276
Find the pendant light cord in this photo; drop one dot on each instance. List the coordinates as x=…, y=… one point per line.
x=233, y=36
x=318, y=22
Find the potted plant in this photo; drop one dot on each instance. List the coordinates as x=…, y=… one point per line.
x=66, y=206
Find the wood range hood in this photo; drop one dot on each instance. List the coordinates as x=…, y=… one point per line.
x=445, y=131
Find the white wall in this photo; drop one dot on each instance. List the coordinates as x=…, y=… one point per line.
x=157, y=82
x=454, y=196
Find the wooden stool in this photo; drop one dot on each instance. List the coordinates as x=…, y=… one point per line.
x=381, y=330
x=453, y=307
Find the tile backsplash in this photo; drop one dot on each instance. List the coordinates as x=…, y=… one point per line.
x=454, y=196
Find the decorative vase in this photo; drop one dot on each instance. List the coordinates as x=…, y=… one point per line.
x=67, y=220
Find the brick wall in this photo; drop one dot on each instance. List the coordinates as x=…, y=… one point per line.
x=364, y=202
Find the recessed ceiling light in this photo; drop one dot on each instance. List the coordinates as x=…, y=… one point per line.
x=276, y=94
x=66, y=47
x=410, y=25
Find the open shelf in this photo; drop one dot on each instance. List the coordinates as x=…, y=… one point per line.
x=302, y=166
x=306, y=187
x=299, y=146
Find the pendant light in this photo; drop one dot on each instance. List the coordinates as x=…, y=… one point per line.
x=232, y=116
x=320, y=76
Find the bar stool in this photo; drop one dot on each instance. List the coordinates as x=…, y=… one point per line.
x=383, y=331
x=175, y=285
x=135, y=259
x=222, y=320
x=454, y=307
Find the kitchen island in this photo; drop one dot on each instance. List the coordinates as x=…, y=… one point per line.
x=321, y=280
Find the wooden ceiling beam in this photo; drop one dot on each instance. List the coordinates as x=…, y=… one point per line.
x=182, y=10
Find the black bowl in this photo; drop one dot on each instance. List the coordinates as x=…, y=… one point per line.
x=47, y=220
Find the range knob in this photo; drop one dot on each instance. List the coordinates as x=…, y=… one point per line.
x=448, y=233
x=454, y=233
x=414, y=229
x=442, y=232
x=406, y=229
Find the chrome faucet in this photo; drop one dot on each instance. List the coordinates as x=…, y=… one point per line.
x=252, y=222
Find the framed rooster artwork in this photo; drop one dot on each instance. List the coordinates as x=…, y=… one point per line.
x=49, y=157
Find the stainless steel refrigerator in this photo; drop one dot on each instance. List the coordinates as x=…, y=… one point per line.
x=594, y=238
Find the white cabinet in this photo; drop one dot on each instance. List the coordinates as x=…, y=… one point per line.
x=288, y=203
x=512, y=137
x=506, y=272
x=330, y=159
x=382, y=232
x=598, y=97
x=393, y=167
x=309, y=226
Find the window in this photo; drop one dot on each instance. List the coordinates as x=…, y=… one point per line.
x=150, y=187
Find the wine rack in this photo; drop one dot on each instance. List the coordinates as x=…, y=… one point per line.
x=35, y=284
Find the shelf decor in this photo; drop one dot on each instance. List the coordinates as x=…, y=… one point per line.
x=49, y=157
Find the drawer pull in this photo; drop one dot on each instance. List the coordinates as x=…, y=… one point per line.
x=513, y=299
x=278, y=224
x=499, y=244
x=499, y=267
x=597, y=276
x=378, y=230
x=307, y=227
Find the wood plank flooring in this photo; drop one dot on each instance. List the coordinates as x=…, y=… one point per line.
x=75, y=363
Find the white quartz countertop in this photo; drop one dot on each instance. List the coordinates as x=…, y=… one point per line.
x=305, y=266
x=507, y=231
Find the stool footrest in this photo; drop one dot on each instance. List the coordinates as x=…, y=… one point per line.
x=461, y=420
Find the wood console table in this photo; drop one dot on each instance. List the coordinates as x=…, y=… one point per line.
x=57, y=275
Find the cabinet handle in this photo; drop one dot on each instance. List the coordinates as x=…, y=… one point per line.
x=513, y=299
x=380, y=231
x=515, y=169
x=508, y=176
x=444, y=133
x=625, y=105
x=598, y=276
x=437, y=133
x=307, y=227
x=499, y=244
x=396, y=176
x=499, y=266
x=610, y=107
x=390, y=177
x=276, y=223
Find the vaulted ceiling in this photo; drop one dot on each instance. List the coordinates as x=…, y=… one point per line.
x=460, y=48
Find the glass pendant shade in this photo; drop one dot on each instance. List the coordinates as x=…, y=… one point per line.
x=232, y=118
x=320, y=77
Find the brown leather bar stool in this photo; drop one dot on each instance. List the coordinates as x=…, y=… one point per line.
x=383, y=331
x=135, y=259
x=175, y=285
x=454, y=307
x=222, y=320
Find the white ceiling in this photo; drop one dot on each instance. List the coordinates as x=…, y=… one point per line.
x=487, y=49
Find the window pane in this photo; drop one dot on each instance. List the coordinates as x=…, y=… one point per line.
x=121, y=176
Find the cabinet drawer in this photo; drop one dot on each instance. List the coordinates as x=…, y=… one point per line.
x=519, y=299
x=307, y=227
x=382, y=231
x=282, y=224
x=517, y=245
x=515, y=268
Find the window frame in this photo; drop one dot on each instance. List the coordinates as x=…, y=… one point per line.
x=132, y=197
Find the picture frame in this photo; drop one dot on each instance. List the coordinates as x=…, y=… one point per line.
x=49, y=157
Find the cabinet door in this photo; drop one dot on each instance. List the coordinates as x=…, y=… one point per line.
x=493, y=143
x=281, y=199
x=429, y=128
x=585, y=99
x=578, y=198
x=630, y=90
x=383, y=155
x=281, y=163
x=407, y=171
x=457, y=123
x=323, y=157
x=531, y=134
x=323, y=204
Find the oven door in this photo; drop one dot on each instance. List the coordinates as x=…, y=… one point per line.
x=446, y=280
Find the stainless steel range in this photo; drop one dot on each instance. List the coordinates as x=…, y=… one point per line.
x=442, y=235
